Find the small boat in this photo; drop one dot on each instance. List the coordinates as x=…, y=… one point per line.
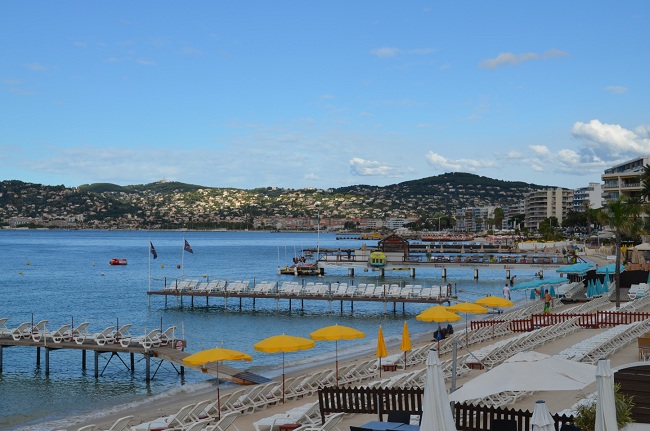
x=116, y=261
x=301, y=269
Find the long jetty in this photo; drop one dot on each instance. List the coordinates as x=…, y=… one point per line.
x=172, y=352
x=306, y=291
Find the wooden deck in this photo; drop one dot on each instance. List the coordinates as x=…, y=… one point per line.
x=163, y=353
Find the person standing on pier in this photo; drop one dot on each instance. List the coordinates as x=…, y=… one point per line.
x=506, y=291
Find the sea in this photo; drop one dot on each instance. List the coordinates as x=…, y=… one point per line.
x=64, y=277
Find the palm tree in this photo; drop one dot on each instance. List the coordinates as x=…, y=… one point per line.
x=622, y=216
x=645, y=183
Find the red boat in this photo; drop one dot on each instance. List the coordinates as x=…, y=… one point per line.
x=116, y=261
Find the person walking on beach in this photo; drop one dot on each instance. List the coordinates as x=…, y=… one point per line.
x=548, y=302
x=506, y=291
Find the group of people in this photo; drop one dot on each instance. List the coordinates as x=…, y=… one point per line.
x=442, y=333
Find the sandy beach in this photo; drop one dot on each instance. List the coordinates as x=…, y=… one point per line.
x=556, y=400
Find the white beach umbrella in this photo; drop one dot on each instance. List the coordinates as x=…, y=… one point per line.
x=542, y=419
x=436, y=410
x=606, y=403
x=528, y=371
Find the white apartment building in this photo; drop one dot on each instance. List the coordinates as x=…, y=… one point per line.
x=593, y=194
x=551, y=202
x=624, y=179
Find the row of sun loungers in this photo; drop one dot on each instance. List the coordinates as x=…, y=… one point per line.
x=80, y=334
x=311, y=288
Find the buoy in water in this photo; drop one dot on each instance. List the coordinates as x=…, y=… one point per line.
x=93, y=263
x=162, y=265
x=204, y=275
x=20, y=272
x=178, y=266
x=27, y=262
x=102, y=274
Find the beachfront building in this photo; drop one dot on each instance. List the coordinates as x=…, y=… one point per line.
x=542, y=204
x=474, y=219
x=624, y=179
x=592, y=195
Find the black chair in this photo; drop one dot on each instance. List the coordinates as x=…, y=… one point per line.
x=569, y=427
x=402, y=416
x=503, y=425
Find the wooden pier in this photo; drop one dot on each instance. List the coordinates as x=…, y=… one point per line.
x=167, y=353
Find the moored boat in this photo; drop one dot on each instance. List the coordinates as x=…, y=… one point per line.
x=116, y=261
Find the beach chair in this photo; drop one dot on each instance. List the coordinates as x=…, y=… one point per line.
x=80, y=333
x=330, y=424
x=21, y=331
x=149, y=340
x=167, y=336
x=122, y=332
x=3, y=326
x=38, y=330
x=104, y=337
x=226, y=421
x=61, y=334
x=177, y=420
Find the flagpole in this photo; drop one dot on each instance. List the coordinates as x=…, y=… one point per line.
x=183, y=260
x=149, y=265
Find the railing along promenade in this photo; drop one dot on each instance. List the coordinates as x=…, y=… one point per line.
x=594, y=320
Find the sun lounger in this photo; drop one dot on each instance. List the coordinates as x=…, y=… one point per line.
x=177, y=420
x=38, y=330
x=21, y=331
x=122, y=332
x=80, y=333
x=224, y=423
x=122, y=424
x=167, y=336
x=306, y=414
x=4, y=330
x=104, y=337
x=61, y=334
x=149, y=340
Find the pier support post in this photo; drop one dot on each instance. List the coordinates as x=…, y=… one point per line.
x=507, y=274
x=381, y=272
x=96, y=364
x=412, y=270
x=444, y=273
x=132, y=363
x=47, y=362
x=475, y=273
x=147, y=359
x=192, y=302
x=83, y=360
x=1, y=349
x=350, y=272
x=38, y=357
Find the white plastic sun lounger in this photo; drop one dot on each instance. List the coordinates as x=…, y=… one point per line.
x=80, y=333
x=104, y=337
x=38, y=330
x=21, y=331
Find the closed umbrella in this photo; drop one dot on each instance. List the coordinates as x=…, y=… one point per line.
x=381, y=348
x=436, y=410
x=551, y=291
x=217, y=355
x=542, y=419
x=532, y=294
x=405, y=346
x=336, y=333
x=467, y=307
x=283, y=343
x=606, y=402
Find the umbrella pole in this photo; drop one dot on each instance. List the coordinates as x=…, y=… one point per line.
x=282, y=377
x=380, y=367
x=218, y=393
x=405, y=359
x=337, y=362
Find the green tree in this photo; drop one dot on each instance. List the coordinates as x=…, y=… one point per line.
x=645, y=183
x=622, y=217
x=499, y=215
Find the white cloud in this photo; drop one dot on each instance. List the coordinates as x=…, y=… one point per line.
x=362, y=167
x=436, y=160
x=616, y=89
x=612, y=141
x=385, y=52
x=509, y=58
x=36, y=67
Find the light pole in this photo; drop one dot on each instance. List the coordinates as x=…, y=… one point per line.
x=317, y=204
x=439, y=223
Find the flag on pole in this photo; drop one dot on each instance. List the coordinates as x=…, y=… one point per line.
x=188, y=248
x=153, y=250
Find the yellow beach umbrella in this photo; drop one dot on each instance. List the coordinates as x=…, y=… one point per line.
x=438, y=314
x=283, y=343
x=467, y=308
x=336, y=333
x=494, y=302
x=217, y=355
x=406, y=342
x=381, y=348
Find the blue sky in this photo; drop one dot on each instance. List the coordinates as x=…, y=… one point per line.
x=321, y=93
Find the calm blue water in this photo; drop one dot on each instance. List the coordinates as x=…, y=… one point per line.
x=64, y=277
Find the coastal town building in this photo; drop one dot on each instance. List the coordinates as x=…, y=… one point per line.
x=552, y=202
x=590, y=196
x=624, y=179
